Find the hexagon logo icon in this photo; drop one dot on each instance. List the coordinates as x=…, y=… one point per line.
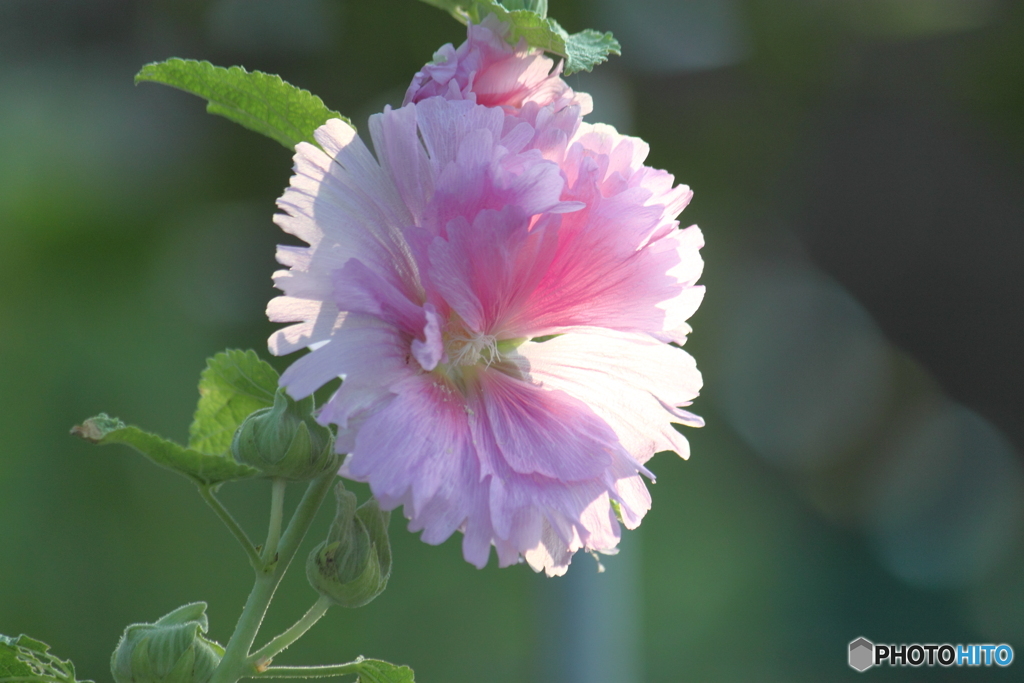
x=862, y=654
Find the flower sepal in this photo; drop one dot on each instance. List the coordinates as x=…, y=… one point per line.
x=353, y=565
x=171, y=650
x=285, y=441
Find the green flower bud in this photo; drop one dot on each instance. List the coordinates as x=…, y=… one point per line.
x=285, y=440
x=353, y=565
x=172, y=650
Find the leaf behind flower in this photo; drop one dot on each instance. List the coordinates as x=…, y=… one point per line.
x=261, y=102
x=234, y=384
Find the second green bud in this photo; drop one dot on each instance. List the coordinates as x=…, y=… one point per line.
x=353, y=565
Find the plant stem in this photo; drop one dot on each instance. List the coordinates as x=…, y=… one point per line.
x=229, y=521
x=309, y=671
x=277, y=488
x=235, y=663
x=281, y=642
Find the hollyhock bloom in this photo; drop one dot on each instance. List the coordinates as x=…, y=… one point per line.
x=487, y=70
x=498, y=288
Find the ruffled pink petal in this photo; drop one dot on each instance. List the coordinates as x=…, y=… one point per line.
x=476, y=170
x=487, y=270
x=417, y=443
x=344, y=206
x=551, y=554
x=359, y=289
x=417, y=451
x=544, y=432
x=633, y=498
x=546, y=519
x=368, y=353
x=632, y=382
x=430, y=351
x=318, y=319
x=403, y=158
x=621, y=263
x=684, y=244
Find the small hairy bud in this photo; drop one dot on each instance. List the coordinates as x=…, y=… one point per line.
x=285, y=440
x=172, y=650
x=353, y=565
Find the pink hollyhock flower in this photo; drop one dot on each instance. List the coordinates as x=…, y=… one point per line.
x=487, y=70
x=498, y=288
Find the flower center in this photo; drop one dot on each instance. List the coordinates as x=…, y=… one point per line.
x=467, y=352
x=470, y=348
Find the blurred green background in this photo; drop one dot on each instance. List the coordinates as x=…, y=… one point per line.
x=859, y=178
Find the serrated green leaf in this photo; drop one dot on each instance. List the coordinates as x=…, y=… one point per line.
x=378, y=671
x=25, y=659
x=202, y=468
x=233, y=385
x=582, y=51
x=587, y=49
x=261, y=102
x=11, y=666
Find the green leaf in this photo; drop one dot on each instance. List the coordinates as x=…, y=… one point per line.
x=582, y=51
x=586, y=49
x=260, y=102
x=26, y=659
x=202, y=468
x=378, y=671
x=233, y=385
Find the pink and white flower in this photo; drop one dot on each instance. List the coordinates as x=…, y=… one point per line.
x=498, y=288
x=488, y=71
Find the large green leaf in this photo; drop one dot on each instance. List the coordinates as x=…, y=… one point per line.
x=260, y=102
x=202, y=468
x=25, y=659
x=582, y=51
x=234, y=384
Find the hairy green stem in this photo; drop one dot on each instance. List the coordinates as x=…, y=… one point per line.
x=229, y=521
x=277, y=488
x=310, y=671
x=303, y=517
x=297, y=630
x=235, y=664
